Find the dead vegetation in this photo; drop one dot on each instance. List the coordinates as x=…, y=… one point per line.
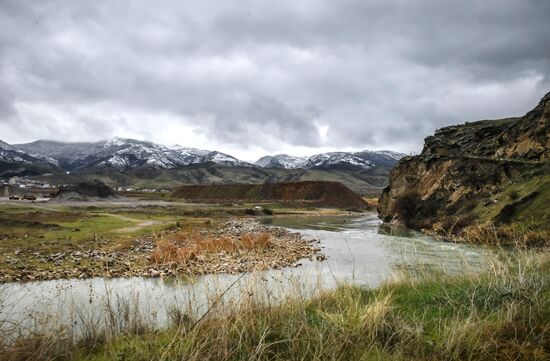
x=188, y=244
x=506, y=235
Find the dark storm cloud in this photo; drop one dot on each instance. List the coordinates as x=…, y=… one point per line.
x=267, y=76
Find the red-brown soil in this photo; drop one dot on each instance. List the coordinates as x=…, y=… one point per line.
x=310, y=193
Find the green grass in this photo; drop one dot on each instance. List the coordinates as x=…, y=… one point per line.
x=29, y=233
x=66, y=228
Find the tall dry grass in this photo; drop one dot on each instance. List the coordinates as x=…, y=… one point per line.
x=187, y=245
x=517, y=236
x=503, y=314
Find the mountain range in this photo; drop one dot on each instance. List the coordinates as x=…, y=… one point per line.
x=332, y=160
x=136, y=163
x=124, y=154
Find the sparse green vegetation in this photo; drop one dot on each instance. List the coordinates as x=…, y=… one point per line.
x=54, y=240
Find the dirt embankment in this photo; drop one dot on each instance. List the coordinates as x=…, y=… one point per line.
x=85, y=191
x=312, y=193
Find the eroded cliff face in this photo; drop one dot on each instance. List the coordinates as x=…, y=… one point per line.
x=487, y=171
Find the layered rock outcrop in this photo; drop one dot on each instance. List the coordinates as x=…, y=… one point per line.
x=487, y=171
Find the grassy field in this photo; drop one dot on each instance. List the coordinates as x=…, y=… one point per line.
x=57, y=237
x=503, y=314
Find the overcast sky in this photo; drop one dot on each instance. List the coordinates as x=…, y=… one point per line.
x=256, y=77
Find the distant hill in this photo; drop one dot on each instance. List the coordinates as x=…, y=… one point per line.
x=85, y=191
x=367, y=182
x=490, y=171
x=333, y=160
x=316, y=194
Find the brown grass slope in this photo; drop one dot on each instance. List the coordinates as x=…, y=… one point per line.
x=312, y=193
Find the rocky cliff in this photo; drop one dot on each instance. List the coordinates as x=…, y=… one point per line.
x=490, y=171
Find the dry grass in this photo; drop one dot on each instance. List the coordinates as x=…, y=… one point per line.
x=187, y=245
x=503, y=314
x=509, y=235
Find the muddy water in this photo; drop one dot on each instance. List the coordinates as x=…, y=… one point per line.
x=358, y=250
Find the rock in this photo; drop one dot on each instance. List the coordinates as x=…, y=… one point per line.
x=109, y=261
x=153, y=273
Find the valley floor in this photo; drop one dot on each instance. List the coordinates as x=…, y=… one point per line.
x=133, y=237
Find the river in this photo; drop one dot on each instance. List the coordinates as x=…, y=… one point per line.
x=359, y=250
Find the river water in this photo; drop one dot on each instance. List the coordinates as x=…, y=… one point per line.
x=359, y=250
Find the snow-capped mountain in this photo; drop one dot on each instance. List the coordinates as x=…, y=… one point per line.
x=124, y=154
x=9, y=154
x=17, y=162
x=121, y=153
x=284, y=161
x=333, y=160
x=338, y=160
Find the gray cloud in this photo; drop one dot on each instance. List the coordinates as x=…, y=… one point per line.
x=257, y=76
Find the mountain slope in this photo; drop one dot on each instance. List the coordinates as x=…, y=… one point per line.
x=491, y=171
x=138, y=164
x=367, y=182
x=120, y=153
x=283, y=161
x=15, y=162
x=333, y=160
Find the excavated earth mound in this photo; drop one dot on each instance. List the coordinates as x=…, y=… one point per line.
x=85, y=191
x=311, y=193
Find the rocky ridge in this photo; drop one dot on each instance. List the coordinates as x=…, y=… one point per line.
x=490, y=171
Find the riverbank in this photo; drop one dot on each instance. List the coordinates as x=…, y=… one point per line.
x=234, y=246
x=502, y=314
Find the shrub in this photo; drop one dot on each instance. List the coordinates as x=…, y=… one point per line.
x=514, y=195
x=406, y=207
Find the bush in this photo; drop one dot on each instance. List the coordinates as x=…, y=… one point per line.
x=406, y=207
x=514, y=195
